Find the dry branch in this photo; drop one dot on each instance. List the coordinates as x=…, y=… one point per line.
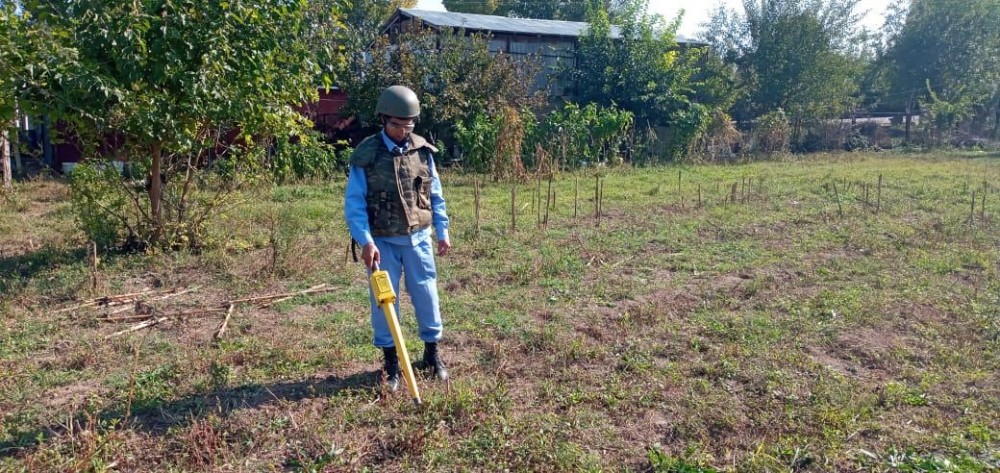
x=139, y=326
x=319, y=288
x=315, y=288
x=225, y=322
x=104, y=300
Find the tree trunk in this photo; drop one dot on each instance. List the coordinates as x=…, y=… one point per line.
x=16, y=143
x=16, y=146
x=996, y=121
x=5, y=157
x=156, y=192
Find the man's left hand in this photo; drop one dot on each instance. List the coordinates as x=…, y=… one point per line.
x=444, y=246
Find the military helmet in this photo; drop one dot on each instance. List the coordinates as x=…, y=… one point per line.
x=398, y=101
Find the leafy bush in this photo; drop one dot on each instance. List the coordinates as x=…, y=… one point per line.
x=585, y=135
x=772, y=133
x=306, y=157
x=477, y=140
x=101, y=205
x=719, y=138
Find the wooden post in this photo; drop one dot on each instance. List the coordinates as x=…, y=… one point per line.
x=576, y=196
x=836, y=195
x=972, y=210
x=478, y=216
x=513, y=208
x=732, y=194
x=548, y=202
x=982, y=205
x=600, y=201
x=538, y=198
x=678, y=183
x=878, y=205
x=597, y=197
x=699, y=195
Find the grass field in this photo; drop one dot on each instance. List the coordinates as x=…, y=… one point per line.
x=777, y=316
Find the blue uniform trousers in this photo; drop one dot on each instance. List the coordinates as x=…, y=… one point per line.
x=416, y=263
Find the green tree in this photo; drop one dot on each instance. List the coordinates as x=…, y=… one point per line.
x=365, y=18
x=171, y=81
x=565, y=10
x=643, y=71
x=454, y=75
x=482, y=7
x=946, y=53
x=30, y=54
x=794, y=55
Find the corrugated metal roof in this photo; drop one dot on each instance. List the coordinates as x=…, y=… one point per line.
x=503, y=24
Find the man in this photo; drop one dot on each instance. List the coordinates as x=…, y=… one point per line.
x=393, y=198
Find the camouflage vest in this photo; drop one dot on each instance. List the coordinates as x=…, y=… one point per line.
x=399, y=187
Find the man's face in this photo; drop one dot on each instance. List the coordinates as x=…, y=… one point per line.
x=399, y=128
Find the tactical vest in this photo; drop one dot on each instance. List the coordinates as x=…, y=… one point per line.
x=399, y=186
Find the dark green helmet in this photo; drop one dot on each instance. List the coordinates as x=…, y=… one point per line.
x=398, y=101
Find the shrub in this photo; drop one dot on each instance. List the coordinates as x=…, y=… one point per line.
x=306, y=157
x=772, y=133
x=100, y=205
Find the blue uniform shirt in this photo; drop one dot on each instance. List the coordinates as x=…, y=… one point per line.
x=356, y=213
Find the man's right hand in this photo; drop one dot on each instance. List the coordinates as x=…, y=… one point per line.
x=369, y=254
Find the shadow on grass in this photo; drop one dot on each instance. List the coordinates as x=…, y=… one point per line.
x=158, y=419
x=16, y=271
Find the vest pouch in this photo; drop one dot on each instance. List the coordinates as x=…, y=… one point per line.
x=422, y=187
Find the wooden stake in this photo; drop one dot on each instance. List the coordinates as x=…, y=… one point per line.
x=699, y=195
x=836, y=195
x=576, y=197
x=972, y=210
x=225, y=322
x=513, y=209
x=597, y=196
x=982, y=208
x=538, y=198
x=548, y=202
x=600, y=201
x=678, y=183
x=478, y=216
x=878, y=205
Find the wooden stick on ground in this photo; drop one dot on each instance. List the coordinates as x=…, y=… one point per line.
x=319, y=288
x=107, y=300
x=158, y=298
x=307, y=291
x=139, y=326
x=225, y=322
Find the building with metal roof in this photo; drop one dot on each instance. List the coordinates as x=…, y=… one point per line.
x=553, y=42
x=501, y=24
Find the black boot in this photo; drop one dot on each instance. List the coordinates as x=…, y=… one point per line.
x=391, y=368
x=432, y=361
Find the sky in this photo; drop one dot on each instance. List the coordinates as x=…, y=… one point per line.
x=698, y=11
